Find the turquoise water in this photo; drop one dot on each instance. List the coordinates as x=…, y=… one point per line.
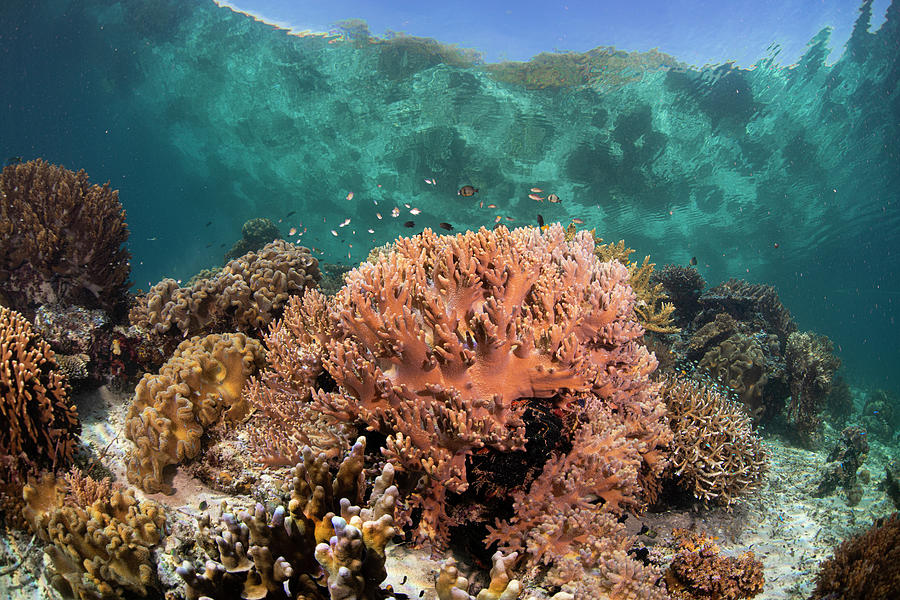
x=204, y=118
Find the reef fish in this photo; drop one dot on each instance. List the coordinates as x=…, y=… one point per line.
x=552, y=198
x=446, y=226
x=467, y=190
x=693, y=261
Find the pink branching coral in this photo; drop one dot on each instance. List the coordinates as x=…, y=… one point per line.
x=443, y=342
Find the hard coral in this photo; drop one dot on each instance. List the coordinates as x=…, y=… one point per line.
x=255, y=234
x=244, y=296
x=40, y=425
x=61, y=238
x=100, y=538
x=697, y=571
x=865, y=567
x=198, y=386
x=739, y=363
x=326, y=544
x=716, y=455
x=845, y=459
x=442, y=342
x=811, y=364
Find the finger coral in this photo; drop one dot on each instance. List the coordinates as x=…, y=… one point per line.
x=443, y=342
x=61, y=238
x=715, y=454
x=100, y=539
x=246, y=295
x=40, y=424
x=199, y=386
x=327, y=544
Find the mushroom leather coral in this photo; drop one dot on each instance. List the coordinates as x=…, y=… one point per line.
x=40, y=425
x=61, y=238
x=196, y=388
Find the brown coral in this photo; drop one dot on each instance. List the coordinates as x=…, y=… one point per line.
x=811, y=363
x=865, y=567
x=61, y=238
x=246, y=295
x=698, y=572
x=100, y=539
x=739, y=363
x=715, y=454
x=40, y=424
x=196, y=388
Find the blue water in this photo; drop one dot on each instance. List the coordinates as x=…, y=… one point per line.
x=786, y=174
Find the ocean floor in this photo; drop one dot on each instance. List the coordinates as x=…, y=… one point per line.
x=787, y=528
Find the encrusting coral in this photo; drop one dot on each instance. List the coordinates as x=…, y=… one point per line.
x=40, y=425
x=199, y=386
x=61, y=239
x=100, y=538
x=327, y=544
x=698, y=572
x=246, y=295
x=715, y=454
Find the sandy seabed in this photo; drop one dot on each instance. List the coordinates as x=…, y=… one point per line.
x=788, y=529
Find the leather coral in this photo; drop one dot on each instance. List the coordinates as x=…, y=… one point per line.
x=61, y=239
x=443, y=342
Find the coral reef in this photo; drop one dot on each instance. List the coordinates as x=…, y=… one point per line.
x=326, y=544
x=244, y=296
x=755, y=304
x=100, y=538
x=839, y=402
x=697, y=571
x=199, y=386
x=811, y=364
x=450, y=585
x=739, y=363
x=683, y=286
x=865, y=567
x=61, y=239
x=891, y=482
x=443, y=343
x=40, y=425
x=880, y=415
x=844, y=460
x=715, y=454
x=255, y=234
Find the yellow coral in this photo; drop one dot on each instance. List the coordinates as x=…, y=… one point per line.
x=196, y=388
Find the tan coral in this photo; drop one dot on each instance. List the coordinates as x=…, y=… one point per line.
x=196, y=388
x=98, y=550
x=739, y=363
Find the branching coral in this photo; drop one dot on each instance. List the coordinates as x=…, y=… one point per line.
x=61, y=238
x=865, y=567
x=326, y=544
x=811, y=364
x=715, y=454
x=698, y=572
x=196, y=388
x=40, y=424
x=439, y=343
x=100, y=538
x=246, y=295
x=450, y=585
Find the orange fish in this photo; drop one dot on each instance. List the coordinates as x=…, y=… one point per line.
x=578, y=221
x=492, y=206
x=350, y=196
x=497, y=220
x=293, y=231
x=395, y=212
x=535, y=197
x=537, y=190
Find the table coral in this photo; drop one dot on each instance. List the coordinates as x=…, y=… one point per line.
x=199, y=386
x=100, y=538
x=716, y=455
x=61, y=238
x=246, y=295
x=326, y=544
x=40, y=424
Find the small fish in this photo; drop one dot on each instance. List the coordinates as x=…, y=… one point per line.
x=578, y=221
x=222, y=246
x=395, y=212
x=209, y=245
x=535, y=197
x=203, y=505
x=492, y=206
x=776, y=244
x=552, y=198
x=510, y=219
x=407, y=205
x=290, y=214
x=414, y=211
x=497, y=220
x=153, y=239
x=536, y=190
x=14, y=160
x=446, y=226
x=467, y=190
x=378, y=215
x=409, y=224
x=370, y=230
x=334, y=233
x=540, y=221
x=429, y=182
x=693, y=261
x=350, y=196
x=293, y=231
x=345, y=223
x=208, y=223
